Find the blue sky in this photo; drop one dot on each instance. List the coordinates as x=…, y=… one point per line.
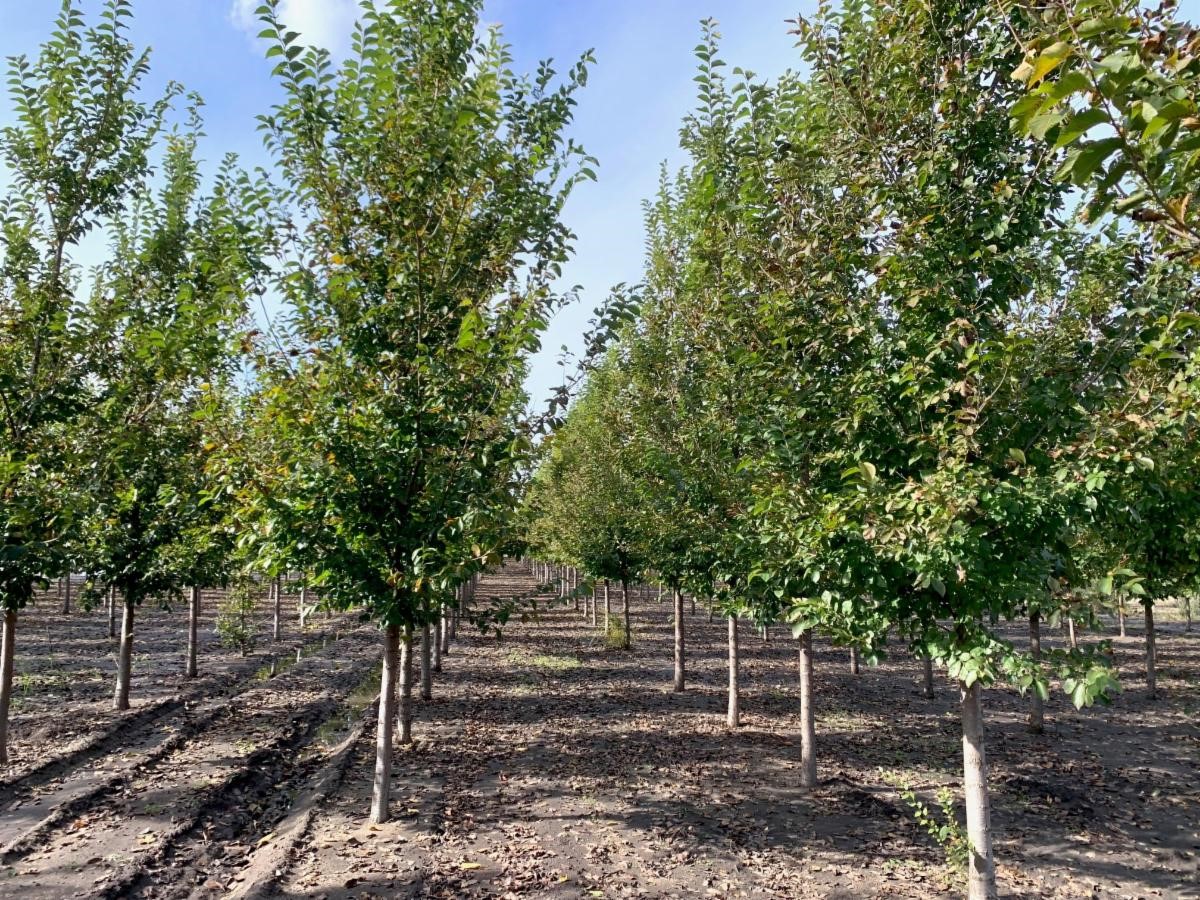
x=628, y=116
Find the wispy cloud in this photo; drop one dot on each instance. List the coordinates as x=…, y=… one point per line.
x=326, y=23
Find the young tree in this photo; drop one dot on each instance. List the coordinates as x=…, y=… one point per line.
x=424, y=183
x=76, y=153
x=165, y=320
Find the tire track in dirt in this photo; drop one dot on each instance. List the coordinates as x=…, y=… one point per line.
x=22, y=787
x=227, y=777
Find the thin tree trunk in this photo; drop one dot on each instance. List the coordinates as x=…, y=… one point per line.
x=404, y=713
x=8, y=643
x=426, y=664
x=112, y=610
x=733, y=717
x=595, y=605
x=679, y=675
x=1121, y=615
x=808, y=727
x=67, y=595
x=302, y=605
x=444, y=619
x=607, y=608
x=853, y=660
x=381, y=792
x=193, y=633
x=124, y=657
x=660, y=593
x=1071, y=633
x=1187, y=611
x=628, y=642
x=277, y=629
x=927, y=677
x=437, y=644
x=1036, y=708
x=981, y=874
x=1151, y=661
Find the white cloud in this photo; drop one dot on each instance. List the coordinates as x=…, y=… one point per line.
x=326, y=23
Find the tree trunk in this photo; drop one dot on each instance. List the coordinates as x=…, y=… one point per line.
x=733, y=717
x=277, y=629
x=628, y=642
x=1187, y=611
x=381, y=792
x=660, y=593
x=426, y=664
x=437, y=644
x=607, y=608
x=8, y=643
x=853, y=660
x=1121, y=615
x=445, y=622
x=112, y=610
x=124, y=657
x=981, y=875
x=1036, y=709
x=1071, y=633
x=67, y=595
x=404, y=713
x=189, y=670
x=1151, y=662
x=678, y=598
x=808, y=727
x=927, y=677
x=302, y=605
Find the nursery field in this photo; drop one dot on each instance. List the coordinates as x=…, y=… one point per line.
x=549, y=764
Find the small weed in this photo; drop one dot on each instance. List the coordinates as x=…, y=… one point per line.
x=614, y=633
x=943, y=825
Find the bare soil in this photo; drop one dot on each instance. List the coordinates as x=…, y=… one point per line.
x=550, y=765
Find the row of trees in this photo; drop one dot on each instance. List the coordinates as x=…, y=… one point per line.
x=155, y=435
x=882, y=382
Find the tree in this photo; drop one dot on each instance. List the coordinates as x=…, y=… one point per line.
x=75, y=156
x=424, y=181
x=165, y=321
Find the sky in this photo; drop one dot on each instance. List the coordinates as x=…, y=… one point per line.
x=628, y=116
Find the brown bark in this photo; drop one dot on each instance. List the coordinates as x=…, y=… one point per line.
x=67, y=595
x=1036, y=708
x=124, y=657
x=112, y=610
x=981, y=873
x=1071, y=636
x=437, y=645
x=193, y=634
x=607, y=607
x=679, y=674
x=733, y=717
x=426, y=664
x=1151, y=660
x=8, y=643
x=404, y=711
x=808, y=727
x=628, y=642
x=926, y=677
x=853, y=660
x=382, y=789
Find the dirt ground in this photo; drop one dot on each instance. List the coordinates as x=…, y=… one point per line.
x=549, y=765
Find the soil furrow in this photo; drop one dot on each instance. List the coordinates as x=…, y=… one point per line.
x=224, y=775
